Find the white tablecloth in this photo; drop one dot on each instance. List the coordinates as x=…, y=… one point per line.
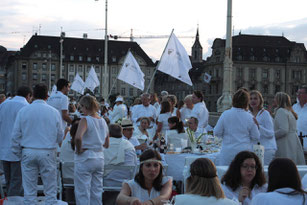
x=177, y=162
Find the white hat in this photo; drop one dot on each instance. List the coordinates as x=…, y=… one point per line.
x=119, y=99
x=164, y=93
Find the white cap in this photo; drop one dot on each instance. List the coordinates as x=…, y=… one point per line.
x=119, y=99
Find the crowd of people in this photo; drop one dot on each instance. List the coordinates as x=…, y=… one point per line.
x=37, y=129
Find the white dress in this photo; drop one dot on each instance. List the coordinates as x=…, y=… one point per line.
x=142, y=194
x=272, y=198
x=163, y=118
x=200, y=200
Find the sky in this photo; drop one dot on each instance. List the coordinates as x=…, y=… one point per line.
x=20, y=19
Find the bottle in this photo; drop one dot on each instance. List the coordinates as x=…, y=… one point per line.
x=162, y=145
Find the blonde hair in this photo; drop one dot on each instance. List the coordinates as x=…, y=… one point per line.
x=90, y=103
x=203, y=180
x=283, y=101
x=257, y=93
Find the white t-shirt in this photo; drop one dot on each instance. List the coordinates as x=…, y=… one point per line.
x=163, y=118
x=60, y=102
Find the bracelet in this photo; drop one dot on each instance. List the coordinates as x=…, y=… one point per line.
x=152, y=202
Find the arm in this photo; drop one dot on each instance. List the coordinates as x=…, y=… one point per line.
x=80, y=132
x=124, y=197
x=16, y=137
x=164, y=194
x=106, y=142
x=281, y=124
x=66, y=117
x=266, y=128
x=219, y=127
x=254, y=131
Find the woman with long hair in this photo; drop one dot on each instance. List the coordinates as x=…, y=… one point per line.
x=265, y=123
x=176, y=132
x=203, y=186
x=149, y=186
x=162, y=124
x=90, y=140
x=284, y=186
x=237, y=128
x=244, y=178
x=288, y=144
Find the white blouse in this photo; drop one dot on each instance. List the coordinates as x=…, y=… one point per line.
x=273, y=198
x=142, y=194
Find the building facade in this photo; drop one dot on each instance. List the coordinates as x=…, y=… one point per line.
x=39, y=62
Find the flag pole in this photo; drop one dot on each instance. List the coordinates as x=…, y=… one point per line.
x=118, y=75
x=159, y=62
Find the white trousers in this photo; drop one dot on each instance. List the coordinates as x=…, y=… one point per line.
x=88, y=176
x=34, y=161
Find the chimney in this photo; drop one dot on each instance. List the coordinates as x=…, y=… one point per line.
x=85, y=36
x=62, y=34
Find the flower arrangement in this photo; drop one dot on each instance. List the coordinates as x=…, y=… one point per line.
x=193, y=138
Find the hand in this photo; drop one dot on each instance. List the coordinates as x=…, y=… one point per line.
x=78, y=152
x=147, y=203
x=135, y=201
x=244, y=192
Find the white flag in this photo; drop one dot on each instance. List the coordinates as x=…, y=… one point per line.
x=131, y=72
x=78, y=85
x=92, y=80
x=54, y=89
x=207, y=78
x=175, y=61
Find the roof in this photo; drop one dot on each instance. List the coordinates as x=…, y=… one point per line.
x=84, y=47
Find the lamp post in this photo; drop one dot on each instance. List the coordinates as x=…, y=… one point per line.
x=50, y=70
x=61, y=54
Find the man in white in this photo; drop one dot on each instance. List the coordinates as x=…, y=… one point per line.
x=200, y=110
x=127, y=134
x=59, y=101
x=301, y=110
x=119, y=111
x=186, y=111
x=37, y=131
x=120, y=152
x=11, y=163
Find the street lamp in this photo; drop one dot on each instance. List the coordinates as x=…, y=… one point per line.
x=61, y=53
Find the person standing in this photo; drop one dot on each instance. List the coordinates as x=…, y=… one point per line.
x=36, y=133
x=200, y=110
x=60, y=101
x=11, y=162
x=288, y=144
x=301, y=111
x=119, y=111
x=91, y=139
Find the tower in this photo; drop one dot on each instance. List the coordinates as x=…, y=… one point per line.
x=197, y=50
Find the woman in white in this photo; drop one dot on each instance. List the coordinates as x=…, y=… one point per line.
x=162, y=123
x=90, y=140
x=244, y=178
x=141, y=132
x=203, y=186
x=265, y=123
x=237, y=128
x=172, y=99
x=149, y=186
x=176, y=133
x=284, y=186
x=288, y=144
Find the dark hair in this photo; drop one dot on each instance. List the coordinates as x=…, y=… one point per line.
x=24, y=91
x=179, y=124
x=199, y=94
x=232, y=178
x=283, y=173
x=145, y=118
x=73, y=131
x=240, y=99
x=115, y=131
x=165, y=107
x=195, y=120
x=61, y=83
x=303, y=87
x=40, y=91
x=139, y=177
x=180, y=104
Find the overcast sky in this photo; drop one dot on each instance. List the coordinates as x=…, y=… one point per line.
x=19, y=19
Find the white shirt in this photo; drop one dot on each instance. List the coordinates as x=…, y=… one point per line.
x=37, y=126
x=185, y=114
x=274, y=198
x=297, y=107
x=8, y=113
x=201, y=113
x=302, y=120
x=163, y=118
x=266, y=129
x=142, y=111
x=60, y=102
x=234, y=195
x=142, y=194
x=134, y=141
x=193, y=199
x=119, y=112
x=237, y=128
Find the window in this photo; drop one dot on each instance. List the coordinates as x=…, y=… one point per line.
x=44, y=66
x=89, y=59
x=71, y=78
x=97, y=58
x=113, y=59
x=34, y=66
x=44, y=77
x=265, y=89
x=277, y=74
x=72, y=58
x=53, y=67
x=80, y=58
x=239, y=72
x=114, y=70
x=80, y=68
x=131, y=91
x=24, y=76
x=297, y=74
x=52, y=76
x=265, y=74
x=34, y=76
x=88, y=68
x=97, y=69
x=252, y=73
x=24, y=66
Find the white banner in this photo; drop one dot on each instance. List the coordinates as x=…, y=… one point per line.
x=78, y=85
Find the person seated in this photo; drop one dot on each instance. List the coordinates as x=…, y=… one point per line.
x=176, y=133
x=120, y=152
x=284, y=185
x=244, y=178
x=149, y=185
x=193, y=126
x=141, y=132
x=203, y=186
x=186, y=110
